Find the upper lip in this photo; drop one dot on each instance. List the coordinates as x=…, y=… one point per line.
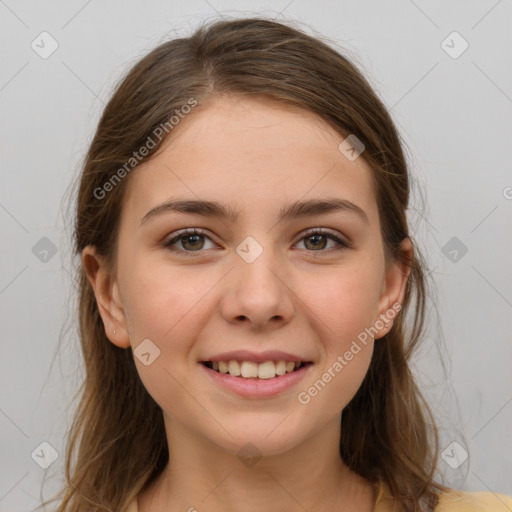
x=257, y=357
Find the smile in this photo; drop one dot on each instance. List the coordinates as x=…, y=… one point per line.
x=254, y=370
x=251, y=380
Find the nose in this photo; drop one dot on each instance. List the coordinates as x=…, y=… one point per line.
x=258, y=292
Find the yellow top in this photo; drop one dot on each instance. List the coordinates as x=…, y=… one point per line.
x=452, y=501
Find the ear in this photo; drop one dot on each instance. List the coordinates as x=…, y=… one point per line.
x=106, y=290
x=393, y=288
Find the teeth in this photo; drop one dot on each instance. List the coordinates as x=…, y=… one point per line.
x=234, y=368
x=267, y=370
x=280, y=367
x=250, y=369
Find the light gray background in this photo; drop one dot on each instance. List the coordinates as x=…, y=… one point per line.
x=454, y=114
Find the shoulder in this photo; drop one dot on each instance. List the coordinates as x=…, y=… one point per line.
x=132, y=507
x=459, y=501
x=452, y=500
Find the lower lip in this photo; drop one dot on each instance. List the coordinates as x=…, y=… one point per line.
x=257, y=388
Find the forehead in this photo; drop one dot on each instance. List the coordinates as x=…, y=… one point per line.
x=251, y=154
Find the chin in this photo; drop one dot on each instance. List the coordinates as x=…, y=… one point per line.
x=273, y=436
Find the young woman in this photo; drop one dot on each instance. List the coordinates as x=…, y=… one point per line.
x=246, y=272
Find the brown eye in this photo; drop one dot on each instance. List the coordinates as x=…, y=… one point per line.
x=192, y=241
x=188, y=242
x=317, y=241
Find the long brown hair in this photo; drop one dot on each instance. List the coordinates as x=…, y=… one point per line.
x=117, y=444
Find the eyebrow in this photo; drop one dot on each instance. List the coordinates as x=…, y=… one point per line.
x=311, y=207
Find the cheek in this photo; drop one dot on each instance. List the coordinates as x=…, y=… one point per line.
x=336, y=383
x=344, y=302
x=343, y=308
x=164, y=305
x=347, y=353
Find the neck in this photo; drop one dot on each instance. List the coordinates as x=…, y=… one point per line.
x=202, y=476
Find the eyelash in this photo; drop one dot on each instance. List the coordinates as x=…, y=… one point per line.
x=197, y=231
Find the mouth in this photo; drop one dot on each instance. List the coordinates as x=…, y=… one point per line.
x=255, y=371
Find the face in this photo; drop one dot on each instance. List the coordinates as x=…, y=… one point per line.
x=303, y=287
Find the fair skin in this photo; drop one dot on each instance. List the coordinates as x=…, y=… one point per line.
x=256, y=157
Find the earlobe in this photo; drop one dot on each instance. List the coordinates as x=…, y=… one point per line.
x=107, y=297
x=394, y=287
